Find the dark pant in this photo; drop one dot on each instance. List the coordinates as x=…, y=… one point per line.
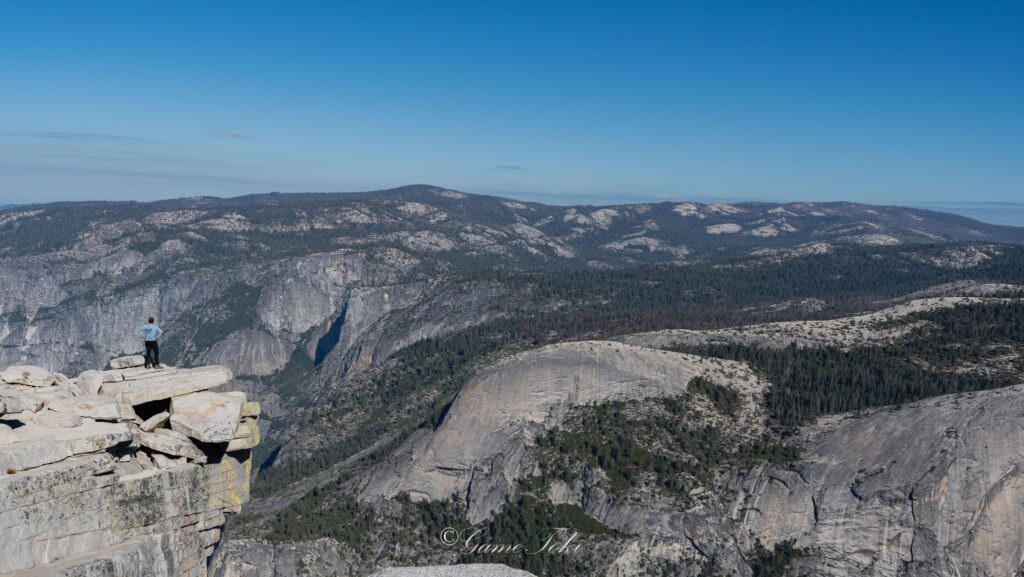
x=152, y=353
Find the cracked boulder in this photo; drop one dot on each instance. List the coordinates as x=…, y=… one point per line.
x=171, y=443
x=207, y=417
x=28, y=375
x=93, y=407
x=138, y=386
x=127, y=362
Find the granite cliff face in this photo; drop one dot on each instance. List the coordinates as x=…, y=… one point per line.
x=123, y=472
x=936, y=488
x=216, y=313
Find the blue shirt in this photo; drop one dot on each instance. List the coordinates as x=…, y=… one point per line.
x=150, y=332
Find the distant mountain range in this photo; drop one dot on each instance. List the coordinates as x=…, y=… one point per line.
x=250, y=280
x=453, y=226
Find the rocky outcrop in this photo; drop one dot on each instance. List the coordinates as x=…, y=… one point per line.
x=94, y=483
x=479, y=450
x=934, y=488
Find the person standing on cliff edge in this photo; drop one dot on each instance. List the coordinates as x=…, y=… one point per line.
x=151, y=332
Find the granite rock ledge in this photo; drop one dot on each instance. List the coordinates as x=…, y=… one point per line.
x=100, y=477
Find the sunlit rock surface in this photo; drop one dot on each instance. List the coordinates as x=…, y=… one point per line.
x=481, y=443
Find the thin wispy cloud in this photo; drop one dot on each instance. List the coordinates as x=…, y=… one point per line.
x=71, y=136
x=233, y=134
x=511, y=167
x=156, y=175
x=102, y=156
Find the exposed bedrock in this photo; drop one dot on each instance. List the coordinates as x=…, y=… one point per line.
x=131, y=479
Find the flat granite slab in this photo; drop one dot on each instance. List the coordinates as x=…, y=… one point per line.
x=143, y=388
x=136, y=557
x=35, y=446
x=128, y=374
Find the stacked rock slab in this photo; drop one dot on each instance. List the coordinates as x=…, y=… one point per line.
x=119, y=473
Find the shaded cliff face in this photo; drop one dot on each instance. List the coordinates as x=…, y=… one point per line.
x=253, y=315
x=936, y=488
x=118, y=473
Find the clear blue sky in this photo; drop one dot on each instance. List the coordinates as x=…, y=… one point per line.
x=883, y=102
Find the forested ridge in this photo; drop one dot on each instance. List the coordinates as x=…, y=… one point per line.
x=660, y=445
x=930, y=361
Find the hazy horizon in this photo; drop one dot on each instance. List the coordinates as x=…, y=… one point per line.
x=1000, y=213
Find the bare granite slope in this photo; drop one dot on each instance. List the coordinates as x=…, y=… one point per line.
x=479, y=450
